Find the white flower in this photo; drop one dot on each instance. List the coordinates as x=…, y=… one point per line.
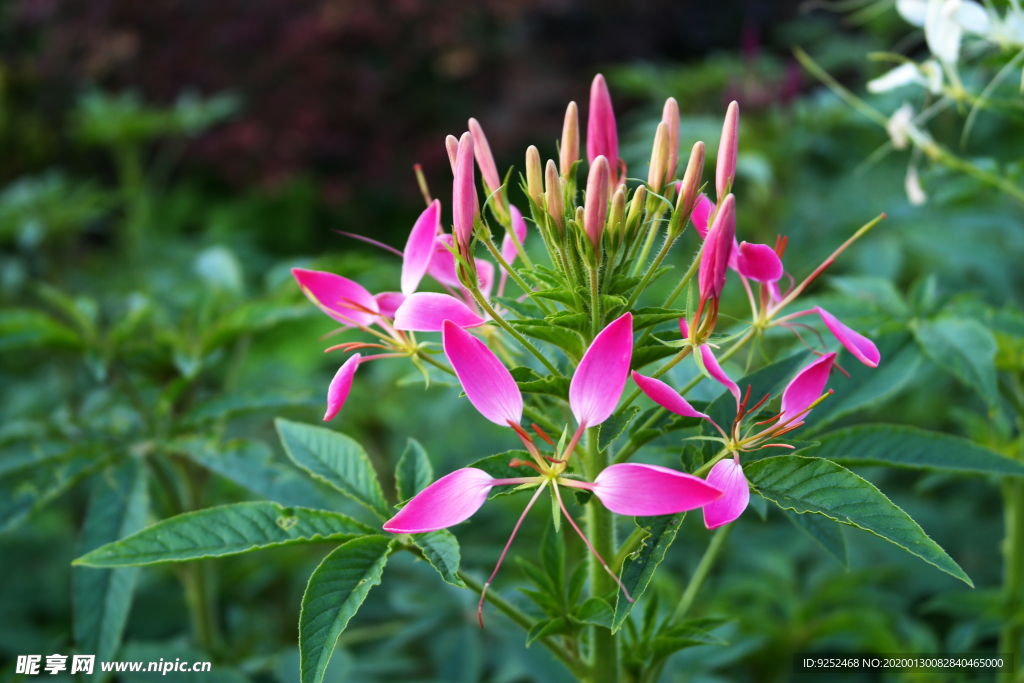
x=944, y=22
x=899, y=124
x=915, y=193
x=904, y=74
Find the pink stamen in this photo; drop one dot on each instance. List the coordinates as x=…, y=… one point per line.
x=371, y=241
x=483, y=593
x=604, y=564
x=575, y=440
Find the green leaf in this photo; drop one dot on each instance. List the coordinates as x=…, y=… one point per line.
x=561, y=295
x=595, y=611
x=564, y=338
x=822, y=487
x=614, y=426
x=826, y=532
x=522, y=309
x=224, y=530
x=577, y=322
x=414, y=472
x=233, y=405
x=250, y=464
x=964, y=347
x=441, y=549
x=498, y=467
x=531, y=382
x=253, y=316
x=27, y=328
x=877, y=291
x=550, y=627
x=552, y=552
x=652, y=315
x=912, y=448
x=333, y=595
x=335, y=459
x=681, y=637
x=102, y=598
x=638, y=568
x=650, y=351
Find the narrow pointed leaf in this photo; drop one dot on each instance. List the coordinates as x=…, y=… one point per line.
x=812, y=485
x=334, y=593
x=827, y=533
x=414, y=472
x=638, y=568
x=224, y=530
x=335, y=459
x=441, y=549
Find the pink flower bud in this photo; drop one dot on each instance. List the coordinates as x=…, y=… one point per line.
x=725, y=170
x=659, y=158
x=534, y=175
x=602, y=136
x=464, y=193
x=691, y=182
x=488, y=169
x=714, y=262
x=553, y=193
x=595, y=211
x=570, y=150
x=670, y=117
x=451, y=143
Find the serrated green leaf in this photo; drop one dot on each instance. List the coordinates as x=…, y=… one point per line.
x=964, y=347
x=564, y=338
x=550, y=627
x=828, y=534
x=814, y=485
x=912, y=448
x=578, y=322
x=614, y=426
x=102, y=598
x=441, y=549
x=334, y=459
x=595, y=611
x=414, y=471
x=552, y=552
x=638, y=568
x=654, y=315
x=224, y=530
x=333, y=595
x=561, y=295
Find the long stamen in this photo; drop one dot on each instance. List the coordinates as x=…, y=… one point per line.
x=600, y=559
x=542, y=434
x=371, y=241
x=354, y=346
x=483, y=593
x=575, y=440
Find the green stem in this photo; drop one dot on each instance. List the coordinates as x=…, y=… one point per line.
x=669, y=241
x=524, y=621
x=436, y=363
x=1013, y=572
x=479, y=297
x=595, y=303
x=690, y=594
x=652, y=232
x=604, y=660
x=491, y=247
x=200, y=602
x=690, y=272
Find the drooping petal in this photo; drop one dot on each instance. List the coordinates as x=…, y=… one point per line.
x=442, y=263
x=452, y=499
x=806, y=388
x=336, y=296
x=716, y=371
x=701, y=214
x=665, y=396
x=601, y=375
x=337, y=392
x=860, y=346
x=726, y=475
x=427, y=311
x=508, y=246
x=758, y=262
x=644, y=490
x=485, y=273
x=388, y=302
x=718, y=248
x=420, y=247
x=487, y=382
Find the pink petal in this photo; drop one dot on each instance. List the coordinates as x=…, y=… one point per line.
x=665, y=396
x=334, y=295
x=684, y=329
x=602, y=135
x=485, y=272
x=758, y=262
x=388, y=302
x=340, y=386
x=806, y=388
x=645, y=490
x=420, y=247
x=442, y=263
x=487, y=382
x=464, y=201
x=718, y=247
x=715, y=370
x=484, y=158
x=508, y=247
x=774, y=293
x=701, y=213
x=427, y=311
x=450, y=500
x=860, y=346
x=601, y=375
x=726, y=475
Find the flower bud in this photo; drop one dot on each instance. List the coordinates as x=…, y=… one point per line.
x=714, y=262
x=690, y=185
x=553, y=193
x=488, y=169
x=602, y=136
x=636, y=207
x=670, y=117
x=659, y=158
x=451, y=143
x=596, y=203
x=725, y=169
x=570, y=150
x=464, y=192
x=579, y=215
x=618, y=211
x=534, y=175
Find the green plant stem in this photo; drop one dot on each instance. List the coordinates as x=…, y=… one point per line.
x=701, y=573
x=662, y=253
x=524, y=621
x=652, y=233
x=1013, y=572
x=595, y=303
x=436, y=363
x=491, y=247
x=479, y=297
x=199, y=598
x=604, y=660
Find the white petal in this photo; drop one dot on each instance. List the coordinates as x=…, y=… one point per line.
x=940, y=31
x=912, y=11
x=915, y=193
x=972, y=18
x=932, y=71
x=904, y=74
